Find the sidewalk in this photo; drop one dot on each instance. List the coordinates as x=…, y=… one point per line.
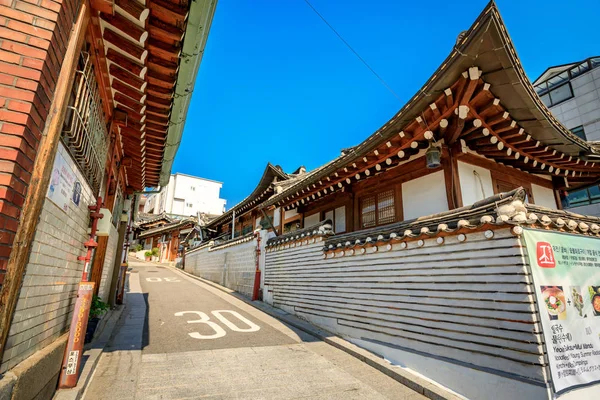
x=119, y=366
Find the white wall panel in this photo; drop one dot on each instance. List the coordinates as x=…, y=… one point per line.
x=425, y=195
x=475, y=183
x=543, y=196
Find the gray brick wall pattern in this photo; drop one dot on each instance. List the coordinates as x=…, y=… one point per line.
x=233, y=267
x=49, y=288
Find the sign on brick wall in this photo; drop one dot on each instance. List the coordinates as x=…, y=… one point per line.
x=62, y=183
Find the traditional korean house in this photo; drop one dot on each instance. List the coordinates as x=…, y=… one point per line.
x=439, y=242
x=167, y=238
x=95, y=95
x=476, y=128
x=245, y=216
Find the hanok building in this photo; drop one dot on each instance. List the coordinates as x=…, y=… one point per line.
x=167, y=238
x=475, y=129
x=246, y=215
x=94, y=98
x=414, y=243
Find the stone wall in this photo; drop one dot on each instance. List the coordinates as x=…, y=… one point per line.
x=458, y=309
x=231, y=264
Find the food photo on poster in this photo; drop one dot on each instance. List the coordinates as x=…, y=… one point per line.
x=566, y=276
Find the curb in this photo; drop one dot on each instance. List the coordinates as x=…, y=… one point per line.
x=418, y=384
x=93, y=352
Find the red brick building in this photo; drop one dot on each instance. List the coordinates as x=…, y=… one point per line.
x=93, y=96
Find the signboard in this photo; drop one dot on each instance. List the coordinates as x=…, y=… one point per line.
x=62, y=184
x=72, y=360
x=566, y=276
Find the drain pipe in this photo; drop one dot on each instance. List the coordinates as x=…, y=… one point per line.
x=233, y=225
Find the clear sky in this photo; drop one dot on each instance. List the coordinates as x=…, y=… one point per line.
x=276, y=85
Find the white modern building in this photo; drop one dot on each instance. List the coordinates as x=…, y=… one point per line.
x=572, y=93
x=187, y=195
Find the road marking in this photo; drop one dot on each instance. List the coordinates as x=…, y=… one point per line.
x=252, y=326
x=204, y=319
x=157, y=279
x=219, y=331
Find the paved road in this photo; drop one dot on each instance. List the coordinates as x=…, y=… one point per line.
x=179, y=338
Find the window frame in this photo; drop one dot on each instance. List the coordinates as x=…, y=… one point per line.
x=581, y=129
x=589, y=199
x=375, y=195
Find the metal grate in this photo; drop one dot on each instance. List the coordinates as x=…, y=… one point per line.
x=85, y=133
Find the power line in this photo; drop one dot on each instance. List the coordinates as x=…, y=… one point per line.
x=354, y=51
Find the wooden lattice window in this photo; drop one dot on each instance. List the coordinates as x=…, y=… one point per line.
x=85, y=133
x=378, y=209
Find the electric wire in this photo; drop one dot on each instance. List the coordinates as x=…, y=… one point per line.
x=353, y=51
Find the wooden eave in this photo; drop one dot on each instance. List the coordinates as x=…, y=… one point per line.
x=263, y=191
x=479, y=98
x=139, y=49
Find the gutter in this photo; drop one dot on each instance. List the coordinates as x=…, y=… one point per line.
x=196, y=34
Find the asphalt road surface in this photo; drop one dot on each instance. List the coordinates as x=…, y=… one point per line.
x=179, y=338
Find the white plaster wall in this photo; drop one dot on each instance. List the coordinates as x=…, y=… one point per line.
x=202, y=194
x=471, y=185
x=543, y=196
x=312, y=219
x=277, y=217
x=340, y=220
x=425, y=195
x=52, y=274
x=290, y=213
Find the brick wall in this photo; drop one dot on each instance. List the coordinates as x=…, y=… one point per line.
x=109, y=263
x=49, y=288
x=33, y=41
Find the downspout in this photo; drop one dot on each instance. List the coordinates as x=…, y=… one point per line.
x=233, y=225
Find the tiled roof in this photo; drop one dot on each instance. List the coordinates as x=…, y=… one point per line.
x=167, y=228
x=504, y=209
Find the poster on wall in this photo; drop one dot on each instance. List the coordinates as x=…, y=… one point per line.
x=62, y=182
x=566, y=276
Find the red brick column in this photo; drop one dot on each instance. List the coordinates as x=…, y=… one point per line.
x=33, y=41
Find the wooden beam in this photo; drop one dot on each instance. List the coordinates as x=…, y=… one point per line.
x=103, y=6
x=127, y=77
x=135, y=9
x=458, y=124
x=127, y=63
x=129, y=91
x=125, y=44
x=124, y=25
x=40, y=178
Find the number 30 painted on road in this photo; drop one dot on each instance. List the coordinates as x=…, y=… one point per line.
x=219, y=331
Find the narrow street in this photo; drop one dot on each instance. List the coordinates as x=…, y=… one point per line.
x=179, y=338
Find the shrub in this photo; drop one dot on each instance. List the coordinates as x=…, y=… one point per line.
x=148, y=254
x=155, y=252
x=98, y=307
x=138, y=247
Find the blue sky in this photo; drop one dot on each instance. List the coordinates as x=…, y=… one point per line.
x=277, y=85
